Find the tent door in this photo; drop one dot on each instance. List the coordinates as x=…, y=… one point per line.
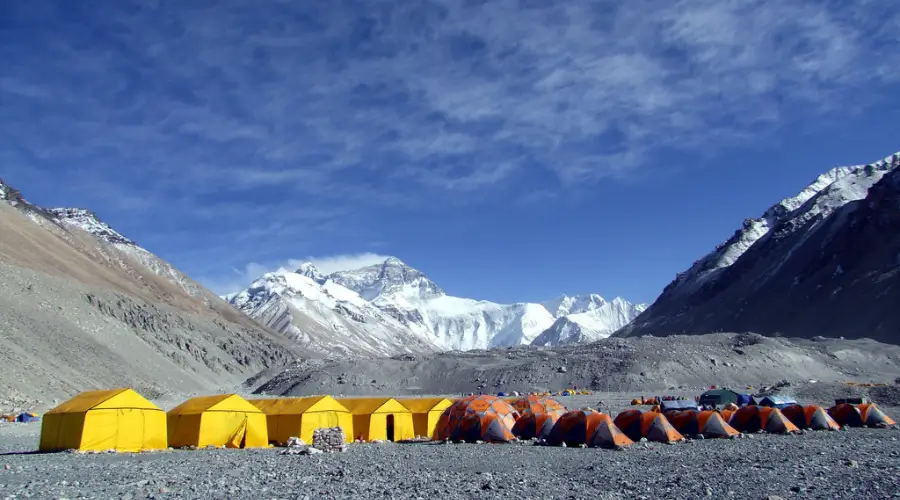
x=390, y=427
x=238, y=438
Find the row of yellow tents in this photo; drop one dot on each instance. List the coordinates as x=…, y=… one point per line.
x=125, y=421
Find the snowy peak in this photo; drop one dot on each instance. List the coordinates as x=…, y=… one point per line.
x=380, y=282
x=819, y=263
x=823, y=196
x=310, y=271
x=565, y=305
x=325, y=316
x=89, y=222
x=590, y=319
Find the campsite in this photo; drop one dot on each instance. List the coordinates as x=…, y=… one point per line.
x=858, y=462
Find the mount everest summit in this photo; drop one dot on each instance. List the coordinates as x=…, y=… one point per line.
x=391, y=308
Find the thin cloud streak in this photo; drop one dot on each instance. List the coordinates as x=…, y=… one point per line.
x=311, y=113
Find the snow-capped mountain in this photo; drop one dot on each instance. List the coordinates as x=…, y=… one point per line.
x=325, y=316
x=387, y=282
x=789, y=269
x=587, y=319
x=397, y=303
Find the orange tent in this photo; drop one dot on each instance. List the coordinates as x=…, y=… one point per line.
x=637, y=424
x=538, y=404
x=708, y=423
x=857, y=416
x=810, y=417
x=535, y=425
x=587, y=427
x=873, y=416
x=477, y=418
x=756, y=418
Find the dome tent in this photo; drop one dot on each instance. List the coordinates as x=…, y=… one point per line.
x=538, y=404
x=867, y=414
x=810, y=417
x=755, y=418
x=637, y=424
x=477, y=418
x=588, y=427
x=708, y=423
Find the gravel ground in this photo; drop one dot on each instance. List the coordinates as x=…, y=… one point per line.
x=858, y=463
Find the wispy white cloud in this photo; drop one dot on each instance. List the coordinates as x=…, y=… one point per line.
x=240, y=278
x=302, y=115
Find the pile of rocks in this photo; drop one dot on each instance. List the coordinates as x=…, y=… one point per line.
x=330, y=439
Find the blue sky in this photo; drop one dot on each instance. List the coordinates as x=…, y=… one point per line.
x=511, y=149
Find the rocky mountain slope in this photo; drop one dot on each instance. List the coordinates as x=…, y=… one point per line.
x=824, y=262
x=390, y=307
x=82, y=306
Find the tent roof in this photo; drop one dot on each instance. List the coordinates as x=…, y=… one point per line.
x=103, y=400
x=424, y=405
x=779, y=399
x=293, y=406
x=367, y=406
x=717, y=392
x=220, y=402
x=678, y=404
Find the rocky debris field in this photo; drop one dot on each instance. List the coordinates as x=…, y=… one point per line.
x=858, y=463
x=620, y=365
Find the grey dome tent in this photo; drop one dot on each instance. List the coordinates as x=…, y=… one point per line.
x=777, y=401
x=718, y=397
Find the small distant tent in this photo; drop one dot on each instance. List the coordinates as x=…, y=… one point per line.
x=677, y=405
x=637, y=424
x=27, y=417
x=587, y=427
x=300, y=417
x=426, y=412
x=745, y=399
x=857, y=416
x=710, y=424
x=117, y=419
x=810, y=417
x=777, y=401
x=755, y=418
x=718, y=397
x=223, y=420
x=478, y=418
x=380, y=419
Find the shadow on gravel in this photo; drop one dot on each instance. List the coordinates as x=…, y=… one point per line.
x=32, y=452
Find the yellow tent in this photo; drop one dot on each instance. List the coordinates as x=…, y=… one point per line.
x=117, y=419
x=288, y=417
x=426, y=412
x=383, y=419
x=223, y=420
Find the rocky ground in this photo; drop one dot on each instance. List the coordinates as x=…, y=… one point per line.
x=858, y=463
x=618, y=365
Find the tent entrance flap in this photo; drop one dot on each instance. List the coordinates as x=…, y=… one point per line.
x=390, y=428
x=238, y=438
